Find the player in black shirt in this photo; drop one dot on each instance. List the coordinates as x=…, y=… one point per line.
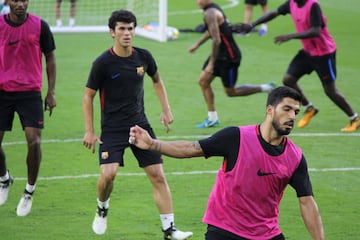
x=224, y=61
x=118, y=75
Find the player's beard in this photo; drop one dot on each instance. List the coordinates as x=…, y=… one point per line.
x=281, y=131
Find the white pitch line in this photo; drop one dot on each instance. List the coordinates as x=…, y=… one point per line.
x=179, y=173
x=194, y=137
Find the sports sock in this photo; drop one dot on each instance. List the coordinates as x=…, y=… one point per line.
x=264, y=27
x=30, y=188
x=212, y=116
x=58, y=22
x=5, y=177
x=103, y=204
x=354, y=116
x=266, y=87
x=308, y=105
x=167, y=220
x=72, y=22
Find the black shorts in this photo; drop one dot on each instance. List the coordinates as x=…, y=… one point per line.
x=114, y=144
x=214, y=233
x=28, y=105
x=324, y=66
x=227, y=71
x=256, y=2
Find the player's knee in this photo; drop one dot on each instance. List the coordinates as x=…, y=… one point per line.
x=289, y=80
x=230, y=92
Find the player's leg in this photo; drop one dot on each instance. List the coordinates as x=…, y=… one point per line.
x=248, y=12
x=163, y=201
x=264, y=7
x=72, y=13
x=326, y=70
x=151, y=162
x=229, y=76
x=105, y=185
x=5, y=178
x=31, y=113
x=33, y=160
x=205, y=81
x=298, y=67
x=58, y=13
x=111, y=153
x=6, y=120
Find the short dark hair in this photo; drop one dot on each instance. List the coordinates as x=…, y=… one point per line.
x=279, y=93
x=121, y=16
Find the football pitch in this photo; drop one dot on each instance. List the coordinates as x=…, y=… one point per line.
x=65, y=199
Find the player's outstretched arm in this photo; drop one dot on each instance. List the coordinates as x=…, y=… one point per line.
x=177, y=149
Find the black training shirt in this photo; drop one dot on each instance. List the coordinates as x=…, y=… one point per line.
x=120, y=81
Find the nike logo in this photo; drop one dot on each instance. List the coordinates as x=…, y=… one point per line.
x=261, y=174
x=115, y=75
x=13, y=42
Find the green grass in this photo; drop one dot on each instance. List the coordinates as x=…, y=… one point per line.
x=64, y=207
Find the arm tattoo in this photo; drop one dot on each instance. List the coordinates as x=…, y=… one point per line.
x=196, y=146
x=157, y=146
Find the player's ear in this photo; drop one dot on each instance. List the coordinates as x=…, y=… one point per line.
x=269, y=109
x=112, y=33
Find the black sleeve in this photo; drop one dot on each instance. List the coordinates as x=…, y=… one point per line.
x=96, y=75
x=300, y=180
x=149, y=59
x=47, y=43
x=316, y=16
x=223, y=143
x=284, y=8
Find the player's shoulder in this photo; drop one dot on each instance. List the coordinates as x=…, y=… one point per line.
x=141, y=51
x=103, y=57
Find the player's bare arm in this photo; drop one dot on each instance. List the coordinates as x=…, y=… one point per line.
x=311, y=33
x=311, y=216
x=203, y=38
x=213, y=19
x=166, y=116
x=178, y=149
x=90, y=138
x=247, y=27
x=50, y=100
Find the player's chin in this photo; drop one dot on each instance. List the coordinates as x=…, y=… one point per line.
x=285, y=131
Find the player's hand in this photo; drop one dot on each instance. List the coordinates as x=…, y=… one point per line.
x=282, y=38
x=49, y=103
x=140, y=137
x=193, y=48
x=166, y=118
x=89, y=141
x=245, y=27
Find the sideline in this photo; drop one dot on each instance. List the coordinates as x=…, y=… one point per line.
x=192, y=137
x=176, y=173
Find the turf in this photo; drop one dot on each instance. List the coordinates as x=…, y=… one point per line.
x=65, y=199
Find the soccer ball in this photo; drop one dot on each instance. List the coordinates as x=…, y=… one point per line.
x=172, y=33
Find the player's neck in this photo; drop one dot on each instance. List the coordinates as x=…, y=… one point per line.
x=122, y=51
x=269, y=134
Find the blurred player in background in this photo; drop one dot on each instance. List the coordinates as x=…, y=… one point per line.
x=249, y=8
x=259, y=161
x=318, y=54
x=223, y=62
x=58, y=13
x=4, y=7
x=24, y=39
x=118, y=75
